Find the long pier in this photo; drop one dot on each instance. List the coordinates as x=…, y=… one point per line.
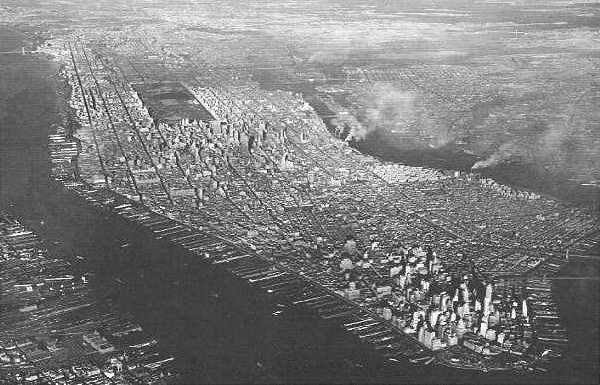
x=289, y=286
x=23, y=51
x=295, y=288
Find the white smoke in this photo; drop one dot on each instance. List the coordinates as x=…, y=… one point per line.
x=505, y=152
x=386, y=108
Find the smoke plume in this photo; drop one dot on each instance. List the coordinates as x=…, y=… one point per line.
x=504, y=153
x=386, y=108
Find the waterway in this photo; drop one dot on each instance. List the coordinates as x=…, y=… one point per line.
x=217, y=328
x=387, y=146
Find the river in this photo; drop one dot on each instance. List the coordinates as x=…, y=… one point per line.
x=387, y=146
x=217, y=329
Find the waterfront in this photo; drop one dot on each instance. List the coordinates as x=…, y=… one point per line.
x=388, y=147
x=218, y=329
x=74, y=224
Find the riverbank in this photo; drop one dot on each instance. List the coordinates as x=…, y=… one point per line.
x=524, y=176
x=385, y=146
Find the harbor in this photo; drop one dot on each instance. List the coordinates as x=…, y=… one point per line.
x=54, y=331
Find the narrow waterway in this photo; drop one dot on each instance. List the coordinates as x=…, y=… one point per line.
x=388, y=147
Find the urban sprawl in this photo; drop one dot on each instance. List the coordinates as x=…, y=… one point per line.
x=432, y=266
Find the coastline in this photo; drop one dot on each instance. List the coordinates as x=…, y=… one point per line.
x=159, y=221
x=526, y=177
x=70, y=129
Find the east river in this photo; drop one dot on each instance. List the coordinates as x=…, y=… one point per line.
x=217, y=328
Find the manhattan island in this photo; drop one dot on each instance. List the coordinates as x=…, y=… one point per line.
x=435, y=267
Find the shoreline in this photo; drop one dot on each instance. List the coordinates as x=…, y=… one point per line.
x=70, y=129
x=160, y=222
x=376, y=144
x=588, y=201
